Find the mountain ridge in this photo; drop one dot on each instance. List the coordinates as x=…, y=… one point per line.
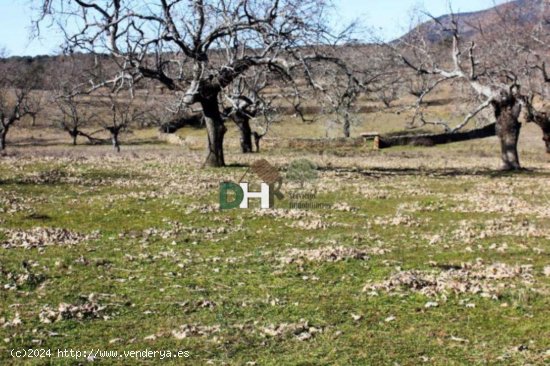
x=526, y=13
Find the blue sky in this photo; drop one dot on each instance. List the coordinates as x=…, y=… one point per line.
x=389, y=18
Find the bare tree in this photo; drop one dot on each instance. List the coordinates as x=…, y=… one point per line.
x=390, y=93
x=16, y=102
x=343, y=103
x=539, y=75
x=386, y=77
x=200, y=47
x=123, y=112
x=34, y=76
x=73, y=116
x=492, y=66
x=542, y=119
x=247, y=101
x=73, y=111
x=13, y=106
x=36, y=107
x=538, y=114
x=417, y=84
x=366, y=70
x=270, y=117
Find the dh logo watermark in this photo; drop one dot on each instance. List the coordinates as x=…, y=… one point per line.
x=241, y=194
x=302, y=172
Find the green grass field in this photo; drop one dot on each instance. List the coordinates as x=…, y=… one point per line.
x=426, y=256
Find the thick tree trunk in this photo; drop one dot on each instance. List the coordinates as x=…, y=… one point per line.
x=74, y=135
x=507, y=112
x=114, y=139
x=3, y=134
x=542, y=119
x=257, y=139
x=215, y=129
x=115, y=132
x=546, y=134
x=347, y=127
x=246, y=133
x=508, y=133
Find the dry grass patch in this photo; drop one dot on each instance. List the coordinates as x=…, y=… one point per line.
x=469, y=278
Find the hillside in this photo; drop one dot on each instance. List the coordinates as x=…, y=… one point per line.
x=523, y=13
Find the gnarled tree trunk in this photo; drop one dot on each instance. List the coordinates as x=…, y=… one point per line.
x=115, y=132
x=347, y=127
x=216, y=130
x=74, y=135
x=114, y=139
x=507, y=111
x=3, y=134
x=243, y=122
x=257, y=139
x=545, y=126
x=542, y=119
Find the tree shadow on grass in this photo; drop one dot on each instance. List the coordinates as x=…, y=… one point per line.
x=237, y=165
x=32, y=142
x=378, y=172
